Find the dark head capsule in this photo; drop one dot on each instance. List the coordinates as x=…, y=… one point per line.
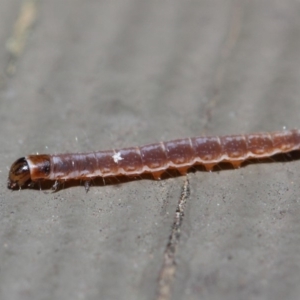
x=19, y=174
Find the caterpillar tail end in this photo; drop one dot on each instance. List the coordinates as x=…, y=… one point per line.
x=19, y=174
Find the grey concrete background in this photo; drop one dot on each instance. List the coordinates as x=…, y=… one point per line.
x=97, y=75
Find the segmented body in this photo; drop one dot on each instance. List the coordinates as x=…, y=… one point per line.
x=155, y=158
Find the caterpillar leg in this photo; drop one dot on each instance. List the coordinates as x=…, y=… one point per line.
x=87, y=185
x=56, y=186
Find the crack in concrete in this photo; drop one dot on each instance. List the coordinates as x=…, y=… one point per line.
x=168, y=269
x=225, y=54
x=16, y=43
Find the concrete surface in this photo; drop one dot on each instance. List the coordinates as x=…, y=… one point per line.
x=95, y=75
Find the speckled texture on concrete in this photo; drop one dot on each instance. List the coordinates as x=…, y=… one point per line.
x=107, y=74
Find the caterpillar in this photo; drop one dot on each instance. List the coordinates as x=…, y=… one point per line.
x=155, y=159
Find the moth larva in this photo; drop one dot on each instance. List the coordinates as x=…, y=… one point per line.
x=154, y=158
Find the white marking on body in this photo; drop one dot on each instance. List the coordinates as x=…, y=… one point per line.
x=116, y=157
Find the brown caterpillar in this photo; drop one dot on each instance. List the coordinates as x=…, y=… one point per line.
x=154, y=158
